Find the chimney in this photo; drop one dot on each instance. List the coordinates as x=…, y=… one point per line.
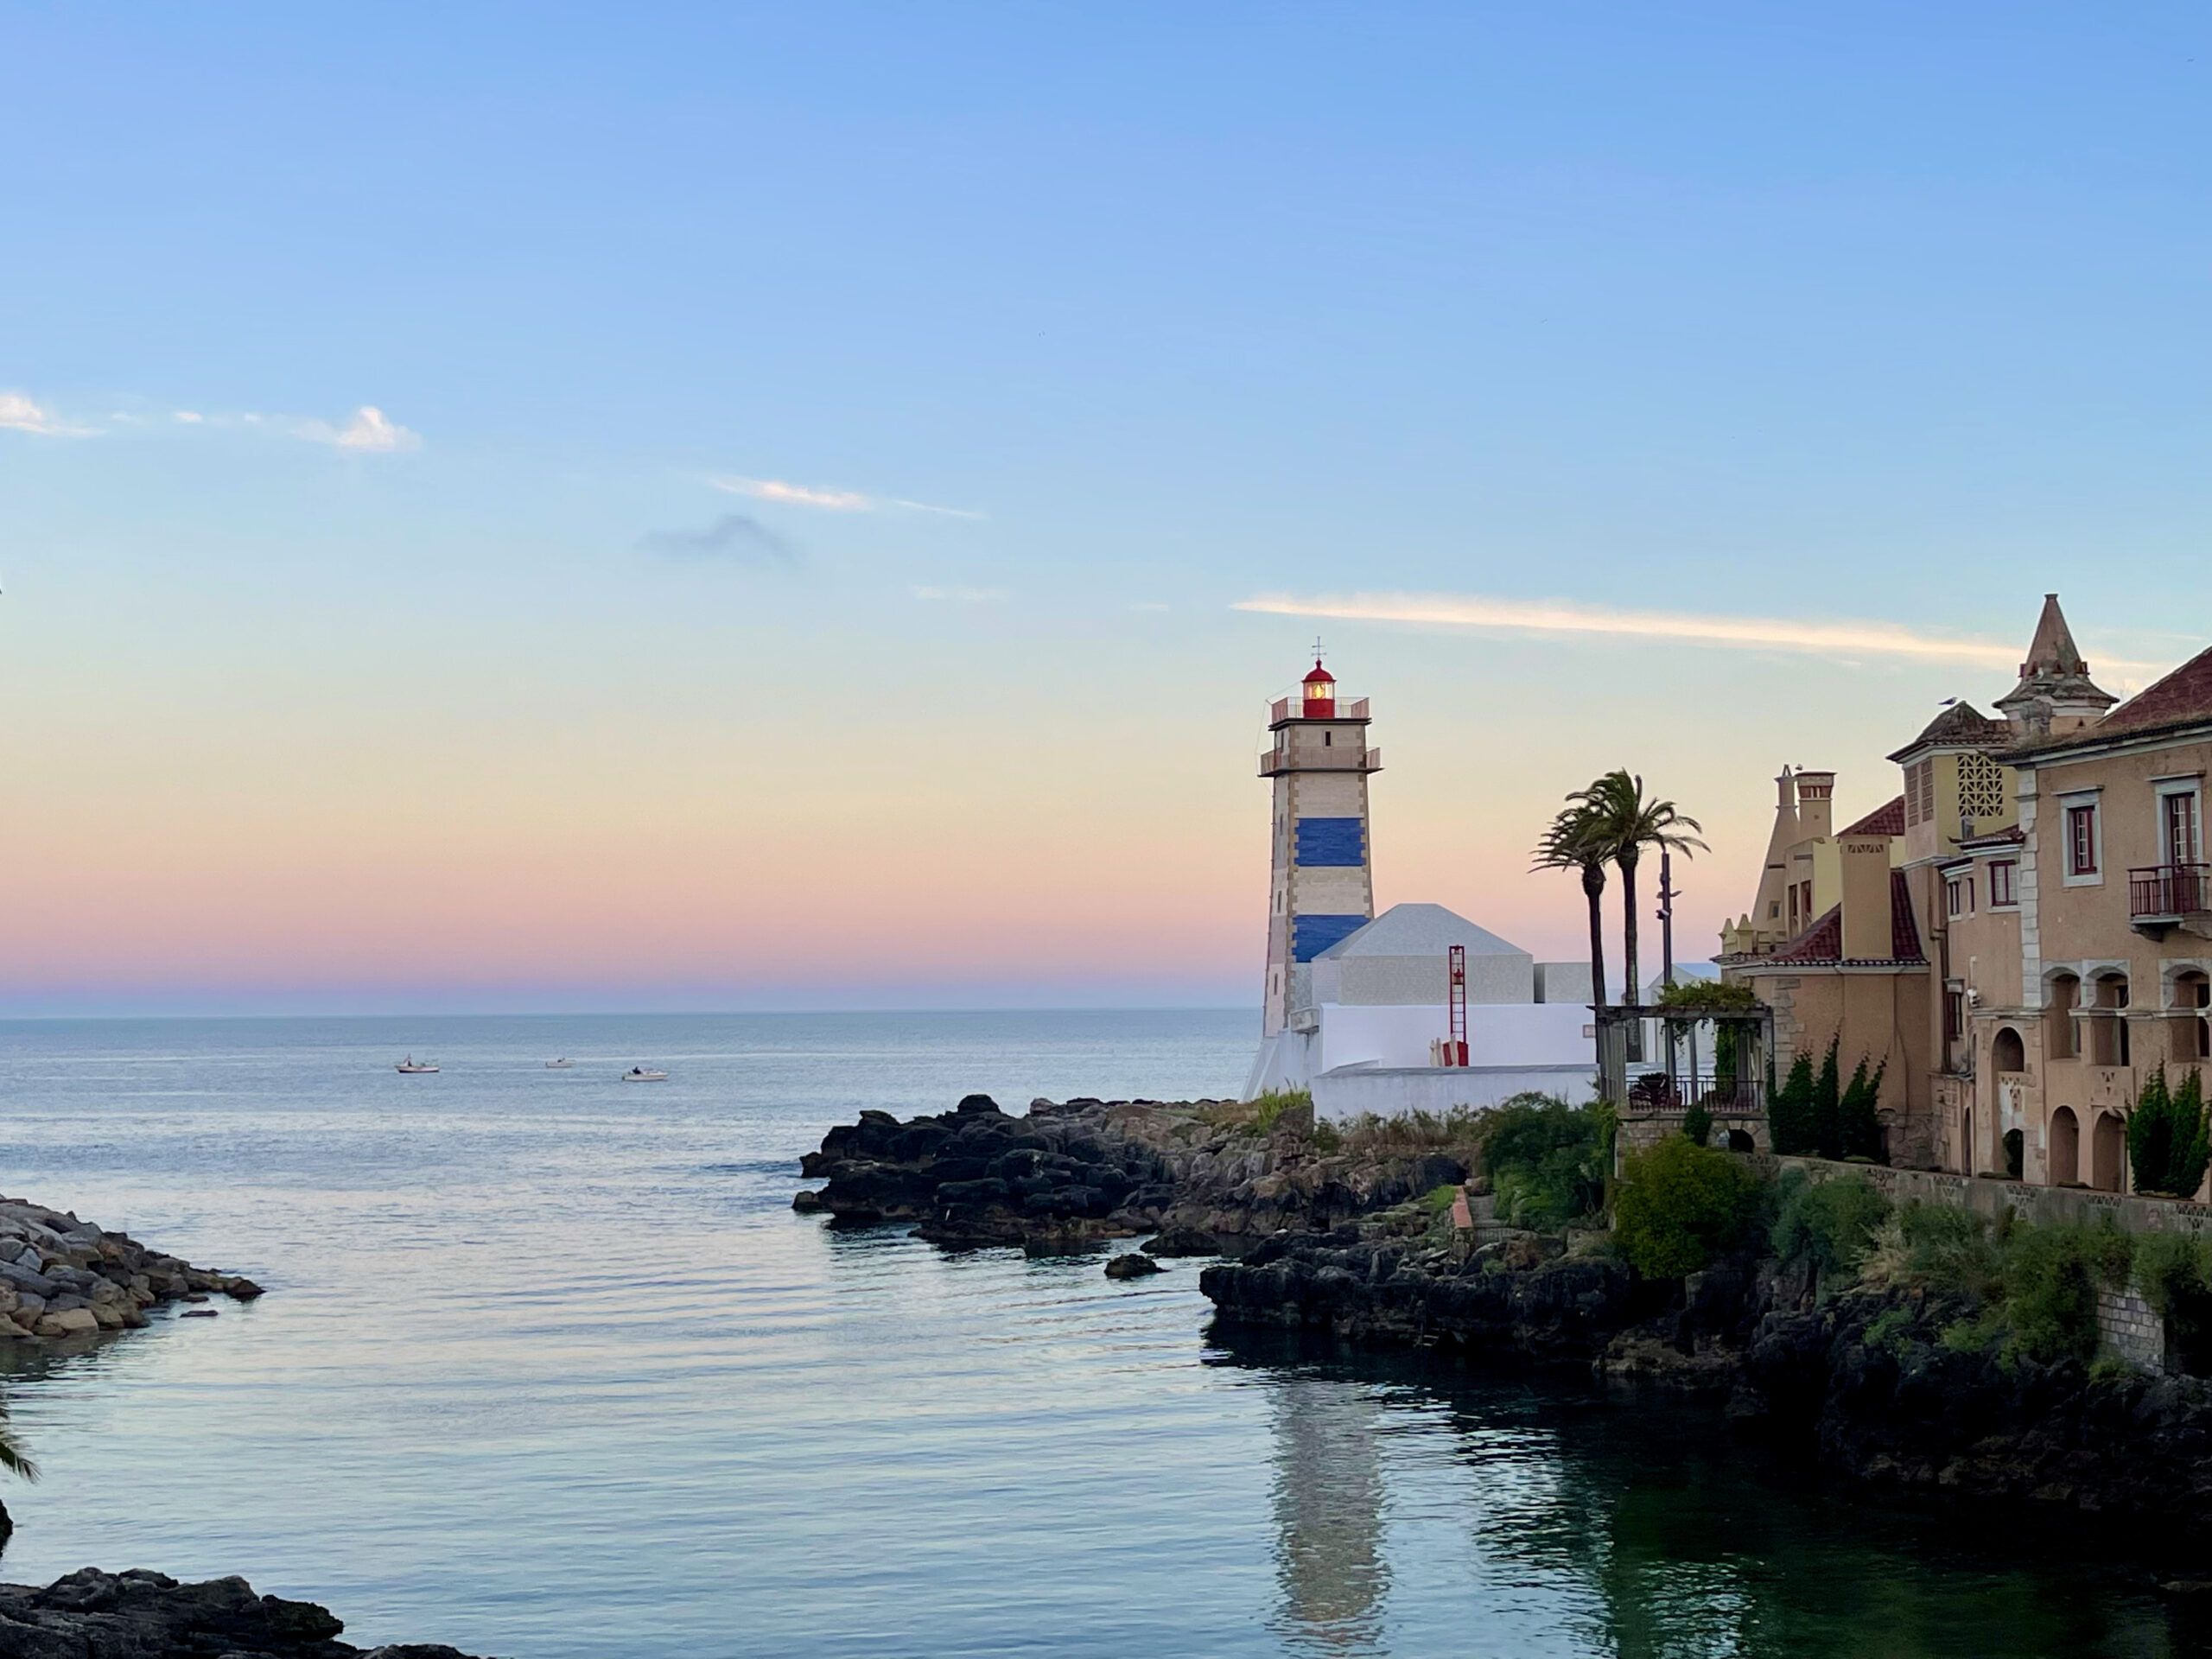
x=1815, y=805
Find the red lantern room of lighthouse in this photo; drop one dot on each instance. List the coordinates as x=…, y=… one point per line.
x=1320, y=693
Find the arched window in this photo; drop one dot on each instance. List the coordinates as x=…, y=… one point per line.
x=2065, y=1147
x=2015, y=1152
x=2008, y=1053
x=2065, y=996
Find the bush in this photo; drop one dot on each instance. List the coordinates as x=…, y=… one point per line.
x=2174, y=1272
x=1679, y=1205
x=1546, y=1159
x=1789, y=1115
x=1827, y=1113
x=1830, y=1223
x=1697, y=1123
x=1859, y=1130
x=2051, y=1278
x=1700, y=996
x=1270, y=1109
x=1934, y=1247
x=2167, y=1142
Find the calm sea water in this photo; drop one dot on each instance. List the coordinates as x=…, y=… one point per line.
x=548, y=1368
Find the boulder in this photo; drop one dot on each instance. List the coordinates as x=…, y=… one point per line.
x=1183, y=1241
x=1132, y=1266
x=95, y=1615
x=807, y=1202
x=70, y=1322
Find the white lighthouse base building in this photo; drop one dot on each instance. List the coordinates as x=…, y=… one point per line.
x=1364, y=1036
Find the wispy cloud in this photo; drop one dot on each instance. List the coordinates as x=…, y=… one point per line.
x=733, y=537
x=963, y=595
x=825, y=499
x=1562, y=618
x=795, y=495
x=368, y=433
x=19, y=414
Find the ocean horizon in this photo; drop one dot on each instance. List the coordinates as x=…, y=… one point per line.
x=548, y=1368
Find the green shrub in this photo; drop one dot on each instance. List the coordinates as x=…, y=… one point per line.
x=1546, y=1159
x=1789, y=1114
x=1438, y=1200
x=1700, y=996
x=1679, y=1205
x=2174, y=1272
x=1826, y=1111
x=1859, y=1130
x=1697, y=1123
x=2051, y=1278
x=1267, y=1108
x=1892, y=1328
x=1935, y=1248
x=1830, y=1223
x=2167, y=1142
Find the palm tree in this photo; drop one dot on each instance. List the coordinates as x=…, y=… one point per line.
x=1573, y=841
x=1625, y=824
x=13, y=1457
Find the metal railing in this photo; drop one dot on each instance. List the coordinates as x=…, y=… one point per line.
x=2169, y=889
x=1294, y=709
x=1724, y=1095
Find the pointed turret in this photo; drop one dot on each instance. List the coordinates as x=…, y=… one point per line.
x=2056, y=692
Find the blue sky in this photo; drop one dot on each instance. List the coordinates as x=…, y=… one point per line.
x=826, y=445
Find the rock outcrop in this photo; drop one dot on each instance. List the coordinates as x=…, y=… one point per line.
x=1864, y=1378
x=1066, y=1175
x=139, y=1615
x=60, y=1277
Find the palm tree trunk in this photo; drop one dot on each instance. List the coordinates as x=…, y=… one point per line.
x=1632, y=987
x=1593, y=889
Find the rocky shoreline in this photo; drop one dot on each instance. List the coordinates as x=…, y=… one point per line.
x=1066, y=1175
x=94, y=1615
x=60, y=1277
x=1864, y=1377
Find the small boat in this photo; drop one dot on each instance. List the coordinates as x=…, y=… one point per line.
x=560, y=1065
x=644, y=1074
x=414, y=1067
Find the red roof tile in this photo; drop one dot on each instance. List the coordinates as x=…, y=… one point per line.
x=1885, y=820
x=1904, y=931
x=2183, y=695
x=1823, y=941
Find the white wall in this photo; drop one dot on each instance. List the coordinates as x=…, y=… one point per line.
x=1341, y=1094
x=1498, y=1033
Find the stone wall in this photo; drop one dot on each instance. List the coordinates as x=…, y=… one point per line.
x=2131, y=1329
x=2044, y=1206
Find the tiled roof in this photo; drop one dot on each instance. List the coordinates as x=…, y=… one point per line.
x=1904, y=931
x=2183, y=695
x=1962, y=726
x=1887, y=819
x=1823, y=941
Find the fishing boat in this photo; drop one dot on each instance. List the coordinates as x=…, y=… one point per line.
x=644, y=1074
x=414, y=1067
x=560, y=1065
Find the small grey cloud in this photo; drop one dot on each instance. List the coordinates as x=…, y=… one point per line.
x=734, y=538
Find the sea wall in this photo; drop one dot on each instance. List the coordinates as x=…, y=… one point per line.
x=60, y=1277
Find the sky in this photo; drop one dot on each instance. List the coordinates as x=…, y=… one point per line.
x=731, y=506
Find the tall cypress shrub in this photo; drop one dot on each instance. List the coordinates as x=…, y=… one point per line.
x=2192, y=1141
x=1827, y=1105
x=1861, y=1129
x=2151, y=1134
x=1788, y=1115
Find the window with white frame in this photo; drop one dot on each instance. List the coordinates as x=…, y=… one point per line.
x=2180, y=831
x=1958, y=895
x=2004, y=883
x=2084, y=850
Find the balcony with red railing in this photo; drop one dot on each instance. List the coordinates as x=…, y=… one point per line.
x=2161, y=896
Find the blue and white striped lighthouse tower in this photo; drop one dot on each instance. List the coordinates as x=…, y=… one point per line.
x=1323, y=880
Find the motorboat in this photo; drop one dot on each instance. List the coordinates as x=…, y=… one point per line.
x=560, y=1065
x=644, y=1074
x=414, y=1068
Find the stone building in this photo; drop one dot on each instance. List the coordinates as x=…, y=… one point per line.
x=2046, y=870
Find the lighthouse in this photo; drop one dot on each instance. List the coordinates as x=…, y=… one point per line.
x=1322, y=882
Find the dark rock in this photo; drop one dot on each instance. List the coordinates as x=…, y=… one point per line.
x=138, y=1615
x=969, y=1103
x=807, y=1202
x=1132, y=1266
x=200, y=1313
x=1183, y=1241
